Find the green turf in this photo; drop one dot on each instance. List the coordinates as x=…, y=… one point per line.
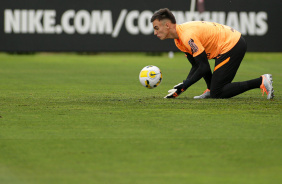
x=71, y=119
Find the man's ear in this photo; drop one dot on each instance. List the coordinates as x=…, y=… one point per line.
x=167, y=24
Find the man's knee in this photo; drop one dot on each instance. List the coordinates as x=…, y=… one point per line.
x=213, y=94
x=216, y=93
x=219, y=94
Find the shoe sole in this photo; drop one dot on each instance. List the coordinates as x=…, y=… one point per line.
x=271, y=93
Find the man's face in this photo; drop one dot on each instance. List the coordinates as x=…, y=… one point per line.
x=161, y=29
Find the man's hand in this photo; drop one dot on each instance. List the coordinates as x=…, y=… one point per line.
x=176, y=91
x=178, y=86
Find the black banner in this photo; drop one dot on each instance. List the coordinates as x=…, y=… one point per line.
x=124, y=25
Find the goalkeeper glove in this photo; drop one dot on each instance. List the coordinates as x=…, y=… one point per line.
x=176, y=91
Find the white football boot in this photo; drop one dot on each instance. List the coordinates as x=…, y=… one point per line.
x=266, y=86
x=206, y=94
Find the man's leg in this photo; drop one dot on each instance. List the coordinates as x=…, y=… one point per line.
x=225, y=70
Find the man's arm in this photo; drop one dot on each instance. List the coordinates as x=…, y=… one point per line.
x=200, y=68
x=205, y=71
x=191, y=59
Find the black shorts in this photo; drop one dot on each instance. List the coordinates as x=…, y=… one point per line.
x=226, y=67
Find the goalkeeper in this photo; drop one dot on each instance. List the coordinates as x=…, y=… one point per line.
x=201, y=41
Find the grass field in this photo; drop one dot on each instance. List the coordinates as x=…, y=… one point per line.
x=67, y=118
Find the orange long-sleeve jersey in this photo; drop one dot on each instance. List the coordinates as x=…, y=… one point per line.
x=198, y=36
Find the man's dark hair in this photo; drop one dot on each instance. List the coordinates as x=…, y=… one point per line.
x=162, y=14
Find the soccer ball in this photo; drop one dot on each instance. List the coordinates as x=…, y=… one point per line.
x=150, y=76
